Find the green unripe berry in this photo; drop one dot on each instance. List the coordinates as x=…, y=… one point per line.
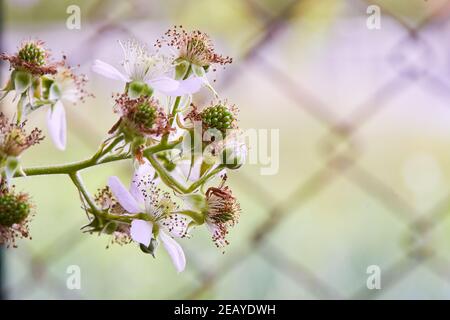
x=33, y=53
x=218, y=117
x=145, y=115
x=13, y=209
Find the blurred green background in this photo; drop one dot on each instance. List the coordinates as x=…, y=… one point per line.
x=364, y=152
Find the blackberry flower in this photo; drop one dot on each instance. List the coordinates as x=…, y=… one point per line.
x=63, y=87
x=144, y=72
x=162, y=223
x=195, y=47
x=195, y=55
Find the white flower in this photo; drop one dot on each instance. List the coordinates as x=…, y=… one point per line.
x=67, y=87
x=140, y=66
x=162, y=223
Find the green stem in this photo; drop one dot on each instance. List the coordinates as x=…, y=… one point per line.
x=205, y=178
x=78, y=182
x=106, y=149
x=84, y=164
x=167, y=178
x=70, y=167
x=176, y=104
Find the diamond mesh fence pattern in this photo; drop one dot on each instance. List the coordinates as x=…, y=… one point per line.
x=364, y=162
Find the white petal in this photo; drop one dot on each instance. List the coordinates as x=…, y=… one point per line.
x=164, y=84
x=188, y=86
x=125, y=199
x=108, y=71
x=175, y=251
x=56, y=121
x=141, y=231
x=143, y=174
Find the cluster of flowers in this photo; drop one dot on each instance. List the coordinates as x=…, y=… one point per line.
x=180, y=151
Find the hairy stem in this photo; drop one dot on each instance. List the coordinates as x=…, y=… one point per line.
x=84, y=164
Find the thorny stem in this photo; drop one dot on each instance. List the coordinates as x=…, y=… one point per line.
x=84, y=164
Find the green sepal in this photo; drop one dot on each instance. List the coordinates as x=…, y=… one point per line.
x=205, y=166
x=46, y=83
x=198, y=71
x=22, y=81
x=7, y=88
x=11, y=166
x=54, y=92
x=21, y=106
x=196, y=216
